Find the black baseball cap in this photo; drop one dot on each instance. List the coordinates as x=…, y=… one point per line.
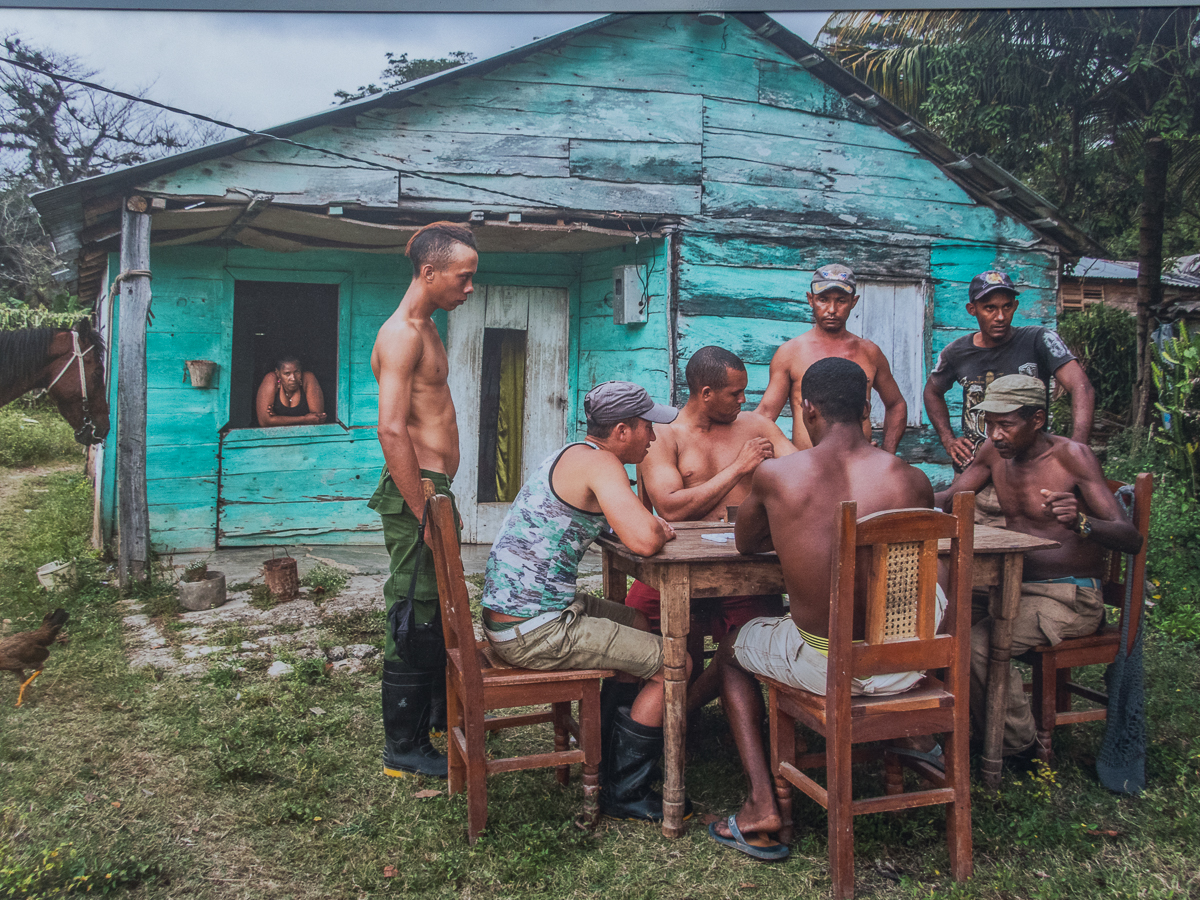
x=987, y=282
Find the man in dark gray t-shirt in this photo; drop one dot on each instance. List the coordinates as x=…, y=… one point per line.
x=996, y=350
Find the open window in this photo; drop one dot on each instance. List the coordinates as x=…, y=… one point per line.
x=273, y=319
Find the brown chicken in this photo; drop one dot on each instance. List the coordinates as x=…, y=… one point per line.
x=31, y=649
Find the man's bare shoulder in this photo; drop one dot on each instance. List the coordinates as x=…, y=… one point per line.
x=795, y=349
x=591, y=466
x=1075, y=456
x=789, y=468
x=756, y=424
x=868, y=349
x=400, y=337
x=665, y=444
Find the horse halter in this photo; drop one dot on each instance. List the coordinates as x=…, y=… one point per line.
x=77, y=356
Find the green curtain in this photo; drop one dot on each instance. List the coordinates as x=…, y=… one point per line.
x=510, y=424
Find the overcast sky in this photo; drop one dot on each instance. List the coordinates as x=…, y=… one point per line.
x=262, y=69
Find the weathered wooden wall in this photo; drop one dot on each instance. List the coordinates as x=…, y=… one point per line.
x=767, y=171
x=255, y=486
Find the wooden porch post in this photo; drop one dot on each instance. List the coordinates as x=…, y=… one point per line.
x=133, y=515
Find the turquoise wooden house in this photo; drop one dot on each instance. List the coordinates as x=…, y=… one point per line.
x=640, y=186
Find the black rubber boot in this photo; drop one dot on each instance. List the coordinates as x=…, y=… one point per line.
x=406, y=697
x=437, y=706
x=613, y=696
x=634, y=750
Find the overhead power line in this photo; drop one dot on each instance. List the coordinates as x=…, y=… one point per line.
x=91, y=85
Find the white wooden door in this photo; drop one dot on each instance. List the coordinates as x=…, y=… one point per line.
x=892, y=314
x=542, y=313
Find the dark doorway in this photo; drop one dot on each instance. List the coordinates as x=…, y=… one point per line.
x=277, y=318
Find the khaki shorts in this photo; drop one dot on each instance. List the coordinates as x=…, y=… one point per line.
x=589, y=634
x=774, y=648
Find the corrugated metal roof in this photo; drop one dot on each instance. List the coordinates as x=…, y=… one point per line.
x=1125, y=270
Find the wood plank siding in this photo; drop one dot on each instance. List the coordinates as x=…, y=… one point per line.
x=654, y=124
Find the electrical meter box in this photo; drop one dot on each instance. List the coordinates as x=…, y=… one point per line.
x=630, y=303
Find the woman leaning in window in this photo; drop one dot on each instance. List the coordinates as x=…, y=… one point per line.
x=289, y=396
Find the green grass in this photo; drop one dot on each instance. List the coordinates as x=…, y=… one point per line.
x=232, y=787
x=34, y=432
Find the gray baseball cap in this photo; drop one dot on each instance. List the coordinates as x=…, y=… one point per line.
x=613, y=401
x=836, y=276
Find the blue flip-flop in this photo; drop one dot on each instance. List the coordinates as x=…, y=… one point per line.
x=738, y=842
x=934, y=757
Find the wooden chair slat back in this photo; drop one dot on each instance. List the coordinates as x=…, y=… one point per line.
x=453, y=597
x=901, y=582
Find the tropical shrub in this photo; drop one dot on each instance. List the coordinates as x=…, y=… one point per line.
x=1105, y=341
x=1173, y=554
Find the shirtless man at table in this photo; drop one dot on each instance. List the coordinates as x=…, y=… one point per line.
x=700, y=464
x=1050, y=487
x=832, y=297
x=792, y=509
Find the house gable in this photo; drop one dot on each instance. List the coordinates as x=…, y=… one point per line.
x=643, y=115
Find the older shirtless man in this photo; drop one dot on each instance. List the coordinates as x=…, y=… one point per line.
x=1050, y=487
x=419, y=435
x=792, y=508
x=700, y=464
x=832, y=297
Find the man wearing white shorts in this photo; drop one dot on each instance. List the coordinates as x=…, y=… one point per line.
x=792, y=509
x=778, y=649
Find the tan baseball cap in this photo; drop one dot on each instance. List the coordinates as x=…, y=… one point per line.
x=614, y=401
x=1010, y=393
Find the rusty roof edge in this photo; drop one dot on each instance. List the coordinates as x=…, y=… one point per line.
x=1061, y=232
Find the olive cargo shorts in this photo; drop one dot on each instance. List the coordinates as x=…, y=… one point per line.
x=591, y=633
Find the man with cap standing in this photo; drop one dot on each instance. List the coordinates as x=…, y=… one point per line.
x=533, y=616
x=995, y=350
x=1053, y=488
x=832, y=297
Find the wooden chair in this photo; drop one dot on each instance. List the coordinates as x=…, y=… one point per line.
x=477, y=681
x=1051, y=684
x=900, y=551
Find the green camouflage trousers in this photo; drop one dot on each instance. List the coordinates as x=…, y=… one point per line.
x=401, y=531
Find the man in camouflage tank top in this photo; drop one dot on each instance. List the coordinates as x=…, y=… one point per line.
x=532, y=614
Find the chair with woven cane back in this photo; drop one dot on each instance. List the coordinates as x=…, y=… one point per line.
x=478, y=681
x=892, y=558
x=1124, y=588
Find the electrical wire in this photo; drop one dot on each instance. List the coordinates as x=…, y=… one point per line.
x=91, y=85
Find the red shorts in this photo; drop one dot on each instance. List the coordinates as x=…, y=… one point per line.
x=716, y=616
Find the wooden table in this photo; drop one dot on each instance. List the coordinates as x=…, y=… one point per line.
x=692, y=567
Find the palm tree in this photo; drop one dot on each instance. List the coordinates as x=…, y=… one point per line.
x=1071, y=96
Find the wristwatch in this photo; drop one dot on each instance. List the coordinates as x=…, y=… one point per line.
x=1083, y=525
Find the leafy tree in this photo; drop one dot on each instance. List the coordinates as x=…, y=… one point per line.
x=27, y=259
x=401, y=69
x=1077, y=103
x=53, y=132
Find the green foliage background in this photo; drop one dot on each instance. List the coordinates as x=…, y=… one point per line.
x=1105, y=341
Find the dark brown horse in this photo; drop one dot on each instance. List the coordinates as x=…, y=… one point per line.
x=68, y=365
